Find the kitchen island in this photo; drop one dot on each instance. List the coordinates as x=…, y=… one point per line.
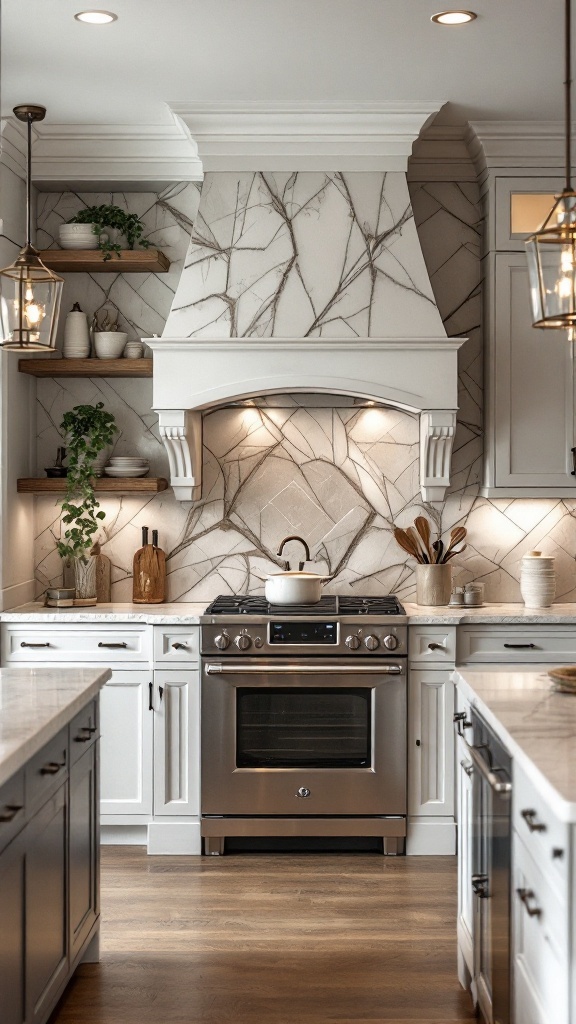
x=537, y=726
x=49, y=834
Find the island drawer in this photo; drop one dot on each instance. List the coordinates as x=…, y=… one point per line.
x=84, y=731
x=49, y=643
x=546, y=837
x=46, y=771
x=176, y=644
x=12, y=811
x=515, y=645
x=428, y=644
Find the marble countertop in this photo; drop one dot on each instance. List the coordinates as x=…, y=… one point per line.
x=535, y=723
x=35, y=704
x=188, y=614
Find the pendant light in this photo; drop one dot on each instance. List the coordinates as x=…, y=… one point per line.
x=30, y=293
x=551, y=250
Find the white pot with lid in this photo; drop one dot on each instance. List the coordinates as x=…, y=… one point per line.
x=294, y=587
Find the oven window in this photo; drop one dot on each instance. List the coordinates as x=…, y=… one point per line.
x=303, y=728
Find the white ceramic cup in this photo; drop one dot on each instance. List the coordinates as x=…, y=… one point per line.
x=109, y=344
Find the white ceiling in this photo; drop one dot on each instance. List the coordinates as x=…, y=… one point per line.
x=505, y=65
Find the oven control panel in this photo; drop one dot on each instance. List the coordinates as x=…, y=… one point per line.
x=300, y=637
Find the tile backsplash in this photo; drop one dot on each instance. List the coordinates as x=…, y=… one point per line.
x=341, y=476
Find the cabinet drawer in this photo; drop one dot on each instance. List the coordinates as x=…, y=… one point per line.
x=83, y=731
x=46, y=771
x=432, y=644
x=540, y=936
x=11, y=808
x=515, y=645
x=53, y=643
x=545, y=837
x=179, y=644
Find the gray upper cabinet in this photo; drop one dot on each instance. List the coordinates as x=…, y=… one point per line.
x=529, y=373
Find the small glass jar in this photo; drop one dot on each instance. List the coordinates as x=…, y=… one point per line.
x=457, y=597
x=474, y=595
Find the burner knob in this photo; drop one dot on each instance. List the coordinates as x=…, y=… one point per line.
x=353, y=642
x=390, y=642
x=243, y=642
x=222, y=641
x=371, y=643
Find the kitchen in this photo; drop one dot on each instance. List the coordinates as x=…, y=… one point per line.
x=286, y=226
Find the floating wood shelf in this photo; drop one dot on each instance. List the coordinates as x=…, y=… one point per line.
x=91, y=261
x=102, y=485
x=86, y=367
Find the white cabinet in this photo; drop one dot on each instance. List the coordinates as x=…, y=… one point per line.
x=529, y=372
x=431, y=825
x=126, y=726
x=176, y=742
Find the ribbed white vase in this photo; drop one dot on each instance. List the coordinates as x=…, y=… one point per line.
x=537, y=580
x=76, y=336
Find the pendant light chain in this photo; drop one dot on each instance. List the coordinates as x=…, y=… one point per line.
x=29, y=184
x=568, y=92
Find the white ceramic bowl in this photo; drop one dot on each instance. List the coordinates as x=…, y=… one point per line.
x=109, y=344
x=77, y=236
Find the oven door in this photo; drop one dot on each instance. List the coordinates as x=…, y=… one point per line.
x=282, y=738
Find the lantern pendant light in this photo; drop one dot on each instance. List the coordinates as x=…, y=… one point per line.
x=551, y=250
x=30, y=293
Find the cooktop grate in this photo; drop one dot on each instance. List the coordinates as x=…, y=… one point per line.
x=245, y=604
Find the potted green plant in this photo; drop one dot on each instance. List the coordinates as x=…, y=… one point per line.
x=117, y=220
x=87, y=429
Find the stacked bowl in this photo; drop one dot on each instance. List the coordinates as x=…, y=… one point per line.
x=537, y=580
x=129, y=465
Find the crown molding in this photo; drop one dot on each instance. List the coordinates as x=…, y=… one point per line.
x=522, y=146
x=113, y=156
x=13, y=145
x=441, y=153
x=251, y=136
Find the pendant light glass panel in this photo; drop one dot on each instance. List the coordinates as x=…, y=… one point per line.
x=551, y=254
x=30, y=297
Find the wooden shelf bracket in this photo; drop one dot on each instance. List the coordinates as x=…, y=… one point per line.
x=181, y=433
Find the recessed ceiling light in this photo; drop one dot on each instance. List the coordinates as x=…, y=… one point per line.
x=453, y=17
x=96, y=17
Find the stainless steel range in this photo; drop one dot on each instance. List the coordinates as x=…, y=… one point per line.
x=304, y=718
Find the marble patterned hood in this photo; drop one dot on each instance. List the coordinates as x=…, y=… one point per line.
x=304, y=282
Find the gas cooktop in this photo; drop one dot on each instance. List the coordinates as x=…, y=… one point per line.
x=243, y=604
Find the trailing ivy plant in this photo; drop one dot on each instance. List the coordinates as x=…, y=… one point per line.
x=88, y=430
x=103, y=217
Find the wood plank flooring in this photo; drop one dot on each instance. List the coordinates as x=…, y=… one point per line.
x=272, y=939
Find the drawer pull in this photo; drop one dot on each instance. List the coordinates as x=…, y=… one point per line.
x=436, y=647
x=10, y=813
x=85, y=729
x=81, y=739
x=52, y=768
x=467, y=766
x=150, y=696
x=180, y=647
x=557, y=853
x=161, y=692
x=526, y=895
x=530, y=819
x=25, y=644
x=114, y=647
x=521, y=647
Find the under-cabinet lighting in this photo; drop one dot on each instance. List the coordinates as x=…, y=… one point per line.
x=453, y=17
x=96, y=17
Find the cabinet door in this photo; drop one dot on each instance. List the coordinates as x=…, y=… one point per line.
x=531, y=383
x=430, y=743
x=84, y=849
x=46, y=907
x=12, y=924
x=126, y=744
x=177, y=742
x=464, y=816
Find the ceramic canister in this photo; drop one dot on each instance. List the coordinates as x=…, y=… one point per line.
x=76, y=335
x=537, y=580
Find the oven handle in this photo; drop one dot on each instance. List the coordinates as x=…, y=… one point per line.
x=491, y=778
x=218, y=668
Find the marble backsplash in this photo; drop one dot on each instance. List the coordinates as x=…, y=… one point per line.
x=340, y=476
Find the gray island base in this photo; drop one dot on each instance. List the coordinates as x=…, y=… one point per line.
x=49, y=835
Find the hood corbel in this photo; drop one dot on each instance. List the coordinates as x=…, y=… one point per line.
x=417, y=375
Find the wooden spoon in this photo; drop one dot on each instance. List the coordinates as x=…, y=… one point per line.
x=438, y=547
x=457, y=535
x=423, y=527
x=415, y=538
x=407, y=544
x=452, y=553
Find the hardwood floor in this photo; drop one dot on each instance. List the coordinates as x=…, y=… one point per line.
x=272, y=939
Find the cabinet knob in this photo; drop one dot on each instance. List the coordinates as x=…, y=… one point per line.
x=10, y=813
x=180, y=647
x=436, y=647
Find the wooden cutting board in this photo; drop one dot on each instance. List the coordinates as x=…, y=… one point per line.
x=103, y=576
x=149, y=580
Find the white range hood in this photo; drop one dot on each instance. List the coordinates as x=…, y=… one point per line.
x=193, y=375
